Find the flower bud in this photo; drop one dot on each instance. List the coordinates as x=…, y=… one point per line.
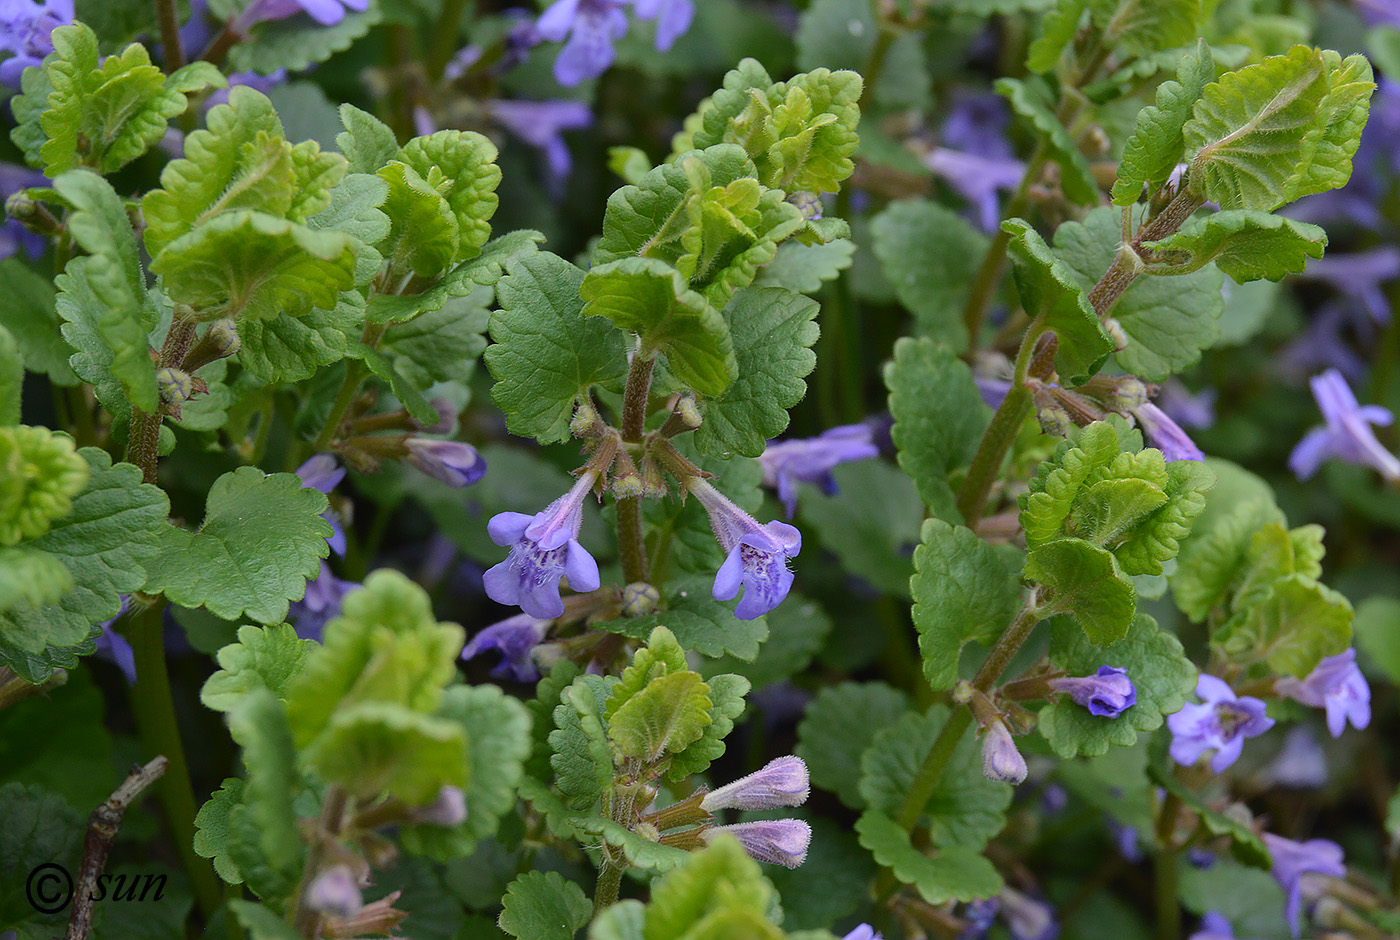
x=1054, y=420
x=1107, y=693
x=176, y=387
x=586, y=422
x=780, y=841
x=335, y=891
x=1000, y=759
x=1115, y=332
x=639, y=599
x=218, y=342
x=452, y=462
x=780, y=782
x=1131, y=393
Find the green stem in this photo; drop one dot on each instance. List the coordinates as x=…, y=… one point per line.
x=631, y=539
x=1008, y=644
x=932, y=770
x=355, y=372
x=609, y=882
x=169, y=20
x=145, y=428
x=1164, y=871
x=449, y=28
x=305, y=920
x=154, y=708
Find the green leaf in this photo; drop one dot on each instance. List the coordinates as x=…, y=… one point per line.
x=265, y=841
x=1160, y=672
x=871, y=525
x=11, y=378
x=1292, y=628
x=582, y=759
x=650, y=298
x=1087, y=585
x=668, y=714
x=641, y=852
x=1280, y=129
x=31, y=578
x=1142, y=27
x=1377, y=628
x=797, y=630
x=543, y=906
x=923, y=248
x=956, y=873
x=105, y=542
x=1057, y=29
x=386, y=646
x=1245, y=244
x=1051, y=291
x=40, y=828
x=545, y=353
x=963, y=590
x=1158, y=538
x=720, y=877
x=113, y=274
x=287, y=349
x=408, y=395
x=101, y=113
x=498, y=741
x=1214, y=559
x=263, y=658
x=1167, y=321
x=482, y=270
x=59, y=740
x=371, y=748
x=621, y=921
x=354, y=210
x=30, y=317
x=461, y=166
x=836, y=729
x=259, y=919
x=965, y=809
x=1031, y=99
x=441, y=345
x=1156, y=145
x=698, y=621
x=939, y=417
x=213, y=834
x=261, y=540
x=367, y=142
x=804, y=268
x=772, y=331
x=727, y=695
x=836, y=34
x=1248, y=847
x=295, y=43
x=423, y=232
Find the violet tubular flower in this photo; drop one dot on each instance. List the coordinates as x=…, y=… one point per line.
x=515, y=638
x=1221, y=723
x=780, y=841
x=1165, y=434
x=756, y=555
x=543, y=548
x=781, y=782
x=673, y=18
x=1292, y=860
x=863, y=932
x=590, y=27
x=1107, y=693
x=1347, y=434
x=324, y=12
x=1000, y=759
x=25, y=28
x=1336, y=685
x=452, y=462
x=322, y=472
x=541, y=124
x=811, y=460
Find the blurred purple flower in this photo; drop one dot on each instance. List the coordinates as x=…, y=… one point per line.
x=24, y=33
x=1359, y=275
x=782, y=781
x=1186, y=409
x=541, y=124
x=591, y=27
x=1128, y=839
x=1027, y=918
x=1165, y=434
x=335, y=891
x=322, y=472
x=1054, y=799
x=324, y=12
x=1379, y=12
x=14, y=237
x=1107, y=693
x=543, y=548
x=114, y=648
x=756, y=555
x=811, y=460
x=780, y=841
x=453, y=462
x=1293, y=859
x=977, y=123
x=672, y=19
x=1221, y=723
x=514, y=638
x=1000, y=759
x=448, y=809
x=863, y=932
x=1347, y=434
x=979, y=916
x=1336, y=685
x=993, y=389
x=1214, y=926
x=253, y=80
x=1299, y=764
x=1324, y=345
x=320, y=604
x=977, y=179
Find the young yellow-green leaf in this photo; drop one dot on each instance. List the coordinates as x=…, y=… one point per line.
x=1087, y=584
x=1280, y=129
x=1215, y=559
x=727, y=697
x=367, y=142
x=1031, y=99
x=1057, y=29
x=376, y=747
x=581, y=758
x=261, y=540
x=772, y=331
x=923, y=249
x=104, y=542
x=1244, y=243
x=265, y=845
x=662, y=655
x=669, y=714
x=543, y=906
x=1141, y=27
x=965, y=808
x=1050, y=290
x=1160, y=672
x=213, y=834
x=1060, y=480
x=803, y=268
x=263, y=658
x=650, y=298
x=482, y=270
x=461, y=165
x=289, y=349
x=1156, y=144
x=354, y=208
x=939, y=417
x=964, y=589
x=545, y=354
x=837, y=728
x=1167, y=322
x=1158, y=538
x=718, y=877
x=255, y=266
x=112, y=272
x=1295, y=625
x=31, y=578
x=424, y=231
x=640, y=851
x=956, y=873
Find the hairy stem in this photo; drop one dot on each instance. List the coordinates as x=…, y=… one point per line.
x=1164, y=870
x=305, y=920
x=449, y=28
x=142, y=442
x=170, y=34
x=154, y=708
x=631, y=539
x=1008, y=644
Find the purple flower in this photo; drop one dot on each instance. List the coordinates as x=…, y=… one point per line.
x=514, y=638
x=1347, y=434
x=1165, y=434
x=254, y=80
x=452, y=462
x=977, y=179
x=322, y=472
x=324, y=12
x=1214, y=926
x=1220, y=723
x=1128, y=839
x=1107, y=693
x=320, y=604
x=24, y=33
x=591, y=27
x=114, y=648
x=863, y=932
x=812, y=459
x=1336, y=685
x=543, y=548
x=1186, y=409
x=1027, y=918
x=1000, y=759
x=1360, y=275
x=978, y=916
x=1325, y=344
x=781, y=782
x=993, y=389
x=1292, y=860
x=977, y=123
x=541, y=124
x=335, y=891
x=780, y=841
x=757, y=554
x=1300, y=764
x=449, y=809
x=672, y=19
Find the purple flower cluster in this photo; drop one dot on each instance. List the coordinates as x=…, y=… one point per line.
x=1347, y=435
x=1220, y=723
x=588, y=29
x=543, y=549
x=324, y=12
x=811, y=460
x=756, y=554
